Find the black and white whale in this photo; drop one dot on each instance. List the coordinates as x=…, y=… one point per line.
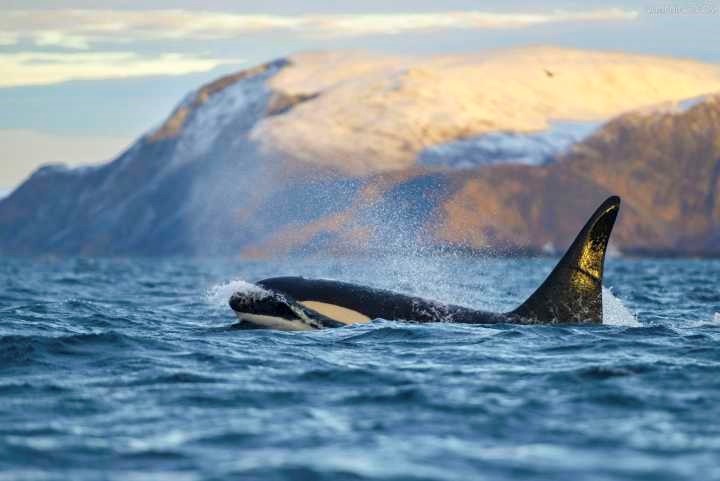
x=571, y=294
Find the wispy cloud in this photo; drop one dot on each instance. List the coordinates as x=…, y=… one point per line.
x=8, y=38
x=35, y=68
x=83, y=36
x=78, y=29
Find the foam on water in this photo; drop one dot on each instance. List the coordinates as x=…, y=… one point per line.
x=713, y=321
x=614, y=311
x=218, y=295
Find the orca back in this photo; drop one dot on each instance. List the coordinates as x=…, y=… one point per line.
x=571, y=294
x=371, y=302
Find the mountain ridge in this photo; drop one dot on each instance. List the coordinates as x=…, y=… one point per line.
x=217, y=177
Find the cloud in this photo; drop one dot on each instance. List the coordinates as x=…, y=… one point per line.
x=37, y=68
x=78, y=29
x=8, y=38
x=60, y=39
x=344, y=25
x=85, y=36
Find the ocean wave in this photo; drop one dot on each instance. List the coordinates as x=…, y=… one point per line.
x=136, y=369
x=19, y=350
x=392, y=333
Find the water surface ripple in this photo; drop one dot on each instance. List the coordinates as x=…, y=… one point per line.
x=129, y=369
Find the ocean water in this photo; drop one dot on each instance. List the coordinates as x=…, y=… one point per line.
x=129, y=370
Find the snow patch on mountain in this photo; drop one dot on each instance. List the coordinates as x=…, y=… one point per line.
x=529, y=148
x=676, y=107
x=54, y=169
x=233, y=110
x=685, y=105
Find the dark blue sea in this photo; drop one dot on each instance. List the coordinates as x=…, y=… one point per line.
x=129, y=369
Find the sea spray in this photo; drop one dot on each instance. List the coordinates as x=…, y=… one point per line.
x=217, y=296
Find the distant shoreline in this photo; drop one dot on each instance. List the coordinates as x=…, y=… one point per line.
x=465, y=253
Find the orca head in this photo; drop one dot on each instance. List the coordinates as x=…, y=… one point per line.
x=273, y=310
x=262, y=304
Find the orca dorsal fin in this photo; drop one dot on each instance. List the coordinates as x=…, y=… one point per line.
x=572, y=293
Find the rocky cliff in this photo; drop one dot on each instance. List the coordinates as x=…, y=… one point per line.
x=350, y=152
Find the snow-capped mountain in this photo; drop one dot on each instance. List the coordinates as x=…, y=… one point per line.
x=348, y=151
x=379, y=113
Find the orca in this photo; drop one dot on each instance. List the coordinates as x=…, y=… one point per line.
x=571, y=294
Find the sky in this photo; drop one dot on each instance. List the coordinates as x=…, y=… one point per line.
x=81, y=80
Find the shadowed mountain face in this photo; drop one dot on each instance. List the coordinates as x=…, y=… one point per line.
x=355, y=153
